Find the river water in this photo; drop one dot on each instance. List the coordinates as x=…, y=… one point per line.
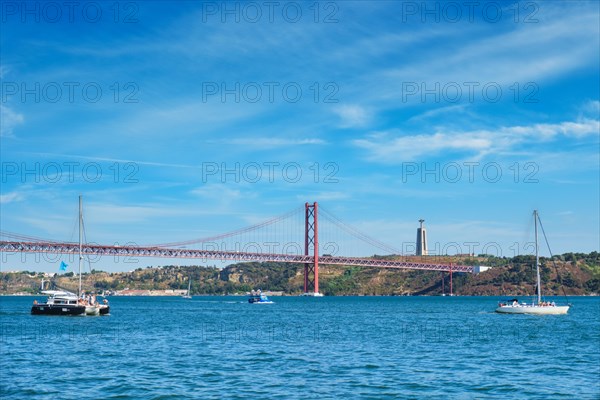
x=300, y=348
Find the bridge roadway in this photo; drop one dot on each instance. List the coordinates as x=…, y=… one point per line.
x=163, y=252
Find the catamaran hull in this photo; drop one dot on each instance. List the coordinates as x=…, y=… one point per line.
x=557, y=310
x=50, y=309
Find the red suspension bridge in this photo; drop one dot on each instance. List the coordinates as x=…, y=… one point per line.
x=215, y=248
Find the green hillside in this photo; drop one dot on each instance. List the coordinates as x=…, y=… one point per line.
x=571, y=273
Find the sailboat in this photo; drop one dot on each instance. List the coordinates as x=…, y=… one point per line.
x=540, y=307
x=68, y=303
x=188, y=295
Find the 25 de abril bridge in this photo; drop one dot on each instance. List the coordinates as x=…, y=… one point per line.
x=308, y=235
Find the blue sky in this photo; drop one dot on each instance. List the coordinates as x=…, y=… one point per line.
x=138, y=106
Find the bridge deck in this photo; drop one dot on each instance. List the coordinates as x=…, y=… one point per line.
x=162, y=252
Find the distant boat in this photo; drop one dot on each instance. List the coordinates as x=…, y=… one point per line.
x=258, y=297
x=188, y=295
x=540, y=307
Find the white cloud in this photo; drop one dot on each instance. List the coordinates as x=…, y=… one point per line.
x=9, y=119
x=577, y=129
x=592, y=107
x=391, y=147
x=10, y=197
x=352, y=116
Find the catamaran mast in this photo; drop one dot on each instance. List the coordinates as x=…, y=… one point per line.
x=80, y=243
x=537, y=258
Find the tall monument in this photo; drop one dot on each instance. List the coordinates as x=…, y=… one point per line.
x=421, y=240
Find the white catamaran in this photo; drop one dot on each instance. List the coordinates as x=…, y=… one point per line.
x=541, y=307
x=67, y=303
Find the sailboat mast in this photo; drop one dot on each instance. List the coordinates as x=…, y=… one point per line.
x=80, y=243
x=537, y=258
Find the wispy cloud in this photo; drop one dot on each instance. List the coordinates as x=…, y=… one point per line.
x=221, y=191
x=119, y=160
x=352, y=116
x=9, y=119
x=224, y=198
x=115, y=213
x=10, y=197
x=268, y=142
x=566, y=213
x=324, y=196
x=391, y=147
x=566, y=41
x=457, y=108
x=592, y=108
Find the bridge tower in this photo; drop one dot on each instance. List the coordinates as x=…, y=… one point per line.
x=421, y=239
x=311, y=242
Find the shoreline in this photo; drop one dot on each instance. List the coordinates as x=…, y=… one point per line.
x=299, y=295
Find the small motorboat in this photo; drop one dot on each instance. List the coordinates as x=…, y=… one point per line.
x=93, y=307
x=59, y=303
x=258, y=297
x=97, y=309
x=92, y=310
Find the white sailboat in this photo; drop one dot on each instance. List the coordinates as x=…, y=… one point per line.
x=188, y=295
x=540, y=307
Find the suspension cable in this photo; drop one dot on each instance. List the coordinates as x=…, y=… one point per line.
x=232, y=233
x=356, y=233
x=18, y=236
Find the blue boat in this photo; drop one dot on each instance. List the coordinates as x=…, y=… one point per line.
x=257, y=297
